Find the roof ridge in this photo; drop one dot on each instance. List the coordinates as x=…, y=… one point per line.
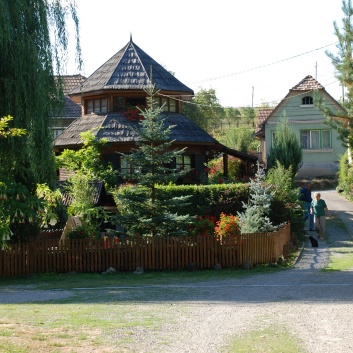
x=308, y=83
x=146, y=72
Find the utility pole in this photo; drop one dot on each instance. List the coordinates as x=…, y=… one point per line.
x=252, y=98
x=316, y=70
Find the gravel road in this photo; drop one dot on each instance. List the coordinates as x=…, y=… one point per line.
x=314, y=306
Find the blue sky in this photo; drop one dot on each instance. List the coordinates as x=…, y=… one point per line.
x=250, y=52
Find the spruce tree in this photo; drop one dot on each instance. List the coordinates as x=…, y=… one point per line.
x=255, y=217
x=286, y=149
x=144, y=210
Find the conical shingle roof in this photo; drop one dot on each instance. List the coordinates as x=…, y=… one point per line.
x=130, y=69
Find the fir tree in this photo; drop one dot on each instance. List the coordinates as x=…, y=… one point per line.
x=255, y=217
x=286, y=148
x=143, y=208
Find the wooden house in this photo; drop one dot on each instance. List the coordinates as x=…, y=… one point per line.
x=109, y=94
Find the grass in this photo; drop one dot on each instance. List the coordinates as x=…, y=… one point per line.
x=267, y=340
x=92, y=280
x=341, y=259
x=341, y=251
x=46, y=327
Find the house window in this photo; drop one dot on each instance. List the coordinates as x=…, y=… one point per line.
x=164, y=104
x=183, y=162
x=307, y=100
x=118, y=104
x=98, y=105
x=126, y=167
x=315, y=139
x=172, y=105
x=168, y=104
x=57, y=131
x=273, y=138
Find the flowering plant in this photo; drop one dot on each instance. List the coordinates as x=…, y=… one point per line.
x=227, y=225
x=133, y=113
x=203, y=226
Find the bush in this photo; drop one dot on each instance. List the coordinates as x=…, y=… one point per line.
x=83, y=232
x=215, y=171
x=285, y=206
x=228, y=225
x=345, y=177
x=203, y=225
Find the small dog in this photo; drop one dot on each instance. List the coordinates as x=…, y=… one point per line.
x=313, y=241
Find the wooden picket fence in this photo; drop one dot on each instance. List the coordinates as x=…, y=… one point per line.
x=150, y=253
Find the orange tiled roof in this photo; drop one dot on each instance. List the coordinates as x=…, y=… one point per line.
x=261, y=117
x=307, y=84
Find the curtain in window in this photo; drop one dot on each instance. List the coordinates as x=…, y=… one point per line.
x=315, y=139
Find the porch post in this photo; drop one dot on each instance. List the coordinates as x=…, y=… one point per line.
x=225, y=164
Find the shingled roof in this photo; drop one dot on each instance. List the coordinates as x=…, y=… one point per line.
x=130, y=69
x=71, y=81
x=71, y=109
x=115, y=127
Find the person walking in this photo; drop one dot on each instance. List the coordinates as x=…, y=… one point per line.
x=305, y=196
x=319, y=209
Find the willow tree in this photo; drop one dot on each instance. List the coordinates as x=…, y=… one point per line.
x=33, y=47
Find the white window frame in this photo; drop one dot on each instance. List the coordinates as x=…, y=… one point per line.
x=315, y=139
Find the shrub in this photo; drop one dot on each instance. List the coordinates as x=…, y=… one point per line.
x=345, y=177
x=203, y=225
x=83, y=232
x=215, y=171
x=228, y=225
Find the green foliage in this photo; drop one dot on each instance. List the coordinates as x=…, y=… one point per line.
x=33, y=43
x=210, y=200
x=204, y=110
x=281, y=178
x=202, y=225
x=87, y=165
x=87, y=161
x=232, y=115
x=285, y=206
x=228, y=225
x=239, y=139
x=83, y=232
x=255, y=217
x=6, y=131
x=83, y=195
x=19, y=209
x=215, y=170
x=342, y=121
x=249, y=115
x=286, y=149
x=345, y=177
x=53, y=213
x=143, y=210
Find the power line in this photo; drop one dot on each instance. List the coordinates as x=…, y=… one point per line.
x=261, y=66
